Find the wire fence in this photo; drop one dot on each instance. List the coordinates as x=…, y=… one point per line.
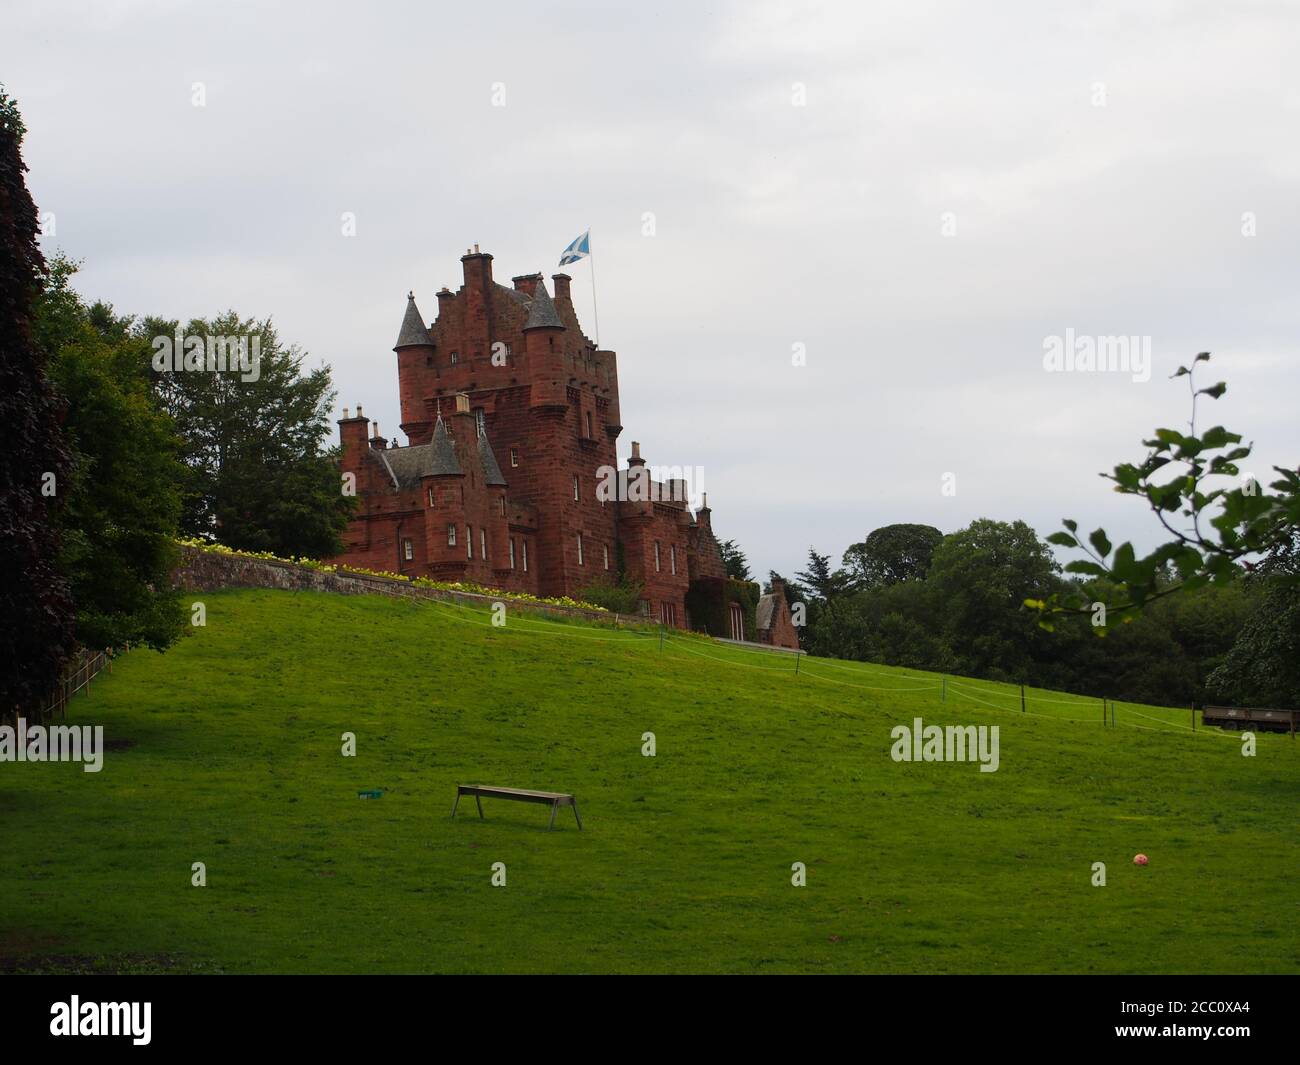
x=84, y=666
x=981, y=696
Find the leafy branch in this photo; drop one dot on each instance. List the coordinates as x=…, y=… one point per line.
x=1217, y=519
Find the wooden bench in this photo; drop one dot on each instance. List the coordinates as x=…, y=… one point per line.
x=555, y=799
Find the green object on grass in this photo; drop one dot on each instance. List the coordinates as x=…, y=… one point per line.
x=373, y=793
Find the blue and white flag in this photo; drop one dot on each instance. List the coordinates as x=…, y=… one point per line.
x=578, y=250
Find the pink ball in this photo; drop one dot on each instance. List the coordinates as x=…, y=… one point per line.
x=1140, y=859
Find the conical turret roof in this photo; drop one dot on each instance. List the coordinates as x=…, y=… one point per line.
x=414, y=333
x=542, y=313
x=443, y=459
x=491, y=471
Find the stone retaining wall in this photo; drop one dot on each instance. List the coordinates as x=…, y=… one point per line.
x=201, y=571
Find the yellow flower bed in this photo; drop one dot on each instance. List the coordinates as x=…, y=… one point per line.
x=468, y=587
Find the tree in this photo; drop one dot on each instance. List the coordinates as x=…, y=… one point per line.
x=1263, y=666
x=122, y=502
x=36, y=610
x=978, y=579
x=892, y=554
x=260, y=476
x=1222, y=527
x=733, y=558
x=824, y=583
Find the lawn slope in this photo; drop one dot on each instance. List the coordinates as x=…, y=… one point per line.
x=685, y=862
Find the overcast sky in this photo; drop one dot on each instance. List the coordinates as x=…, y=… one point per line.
x=919, y=194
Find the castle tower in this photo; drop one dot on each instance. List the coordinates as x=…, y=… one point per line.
x=414, y=349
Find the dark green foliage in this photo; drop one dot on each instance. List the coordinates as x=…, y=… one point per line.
x=966, y=617
x=1263, y=667
x=892, y=554
x=121, y=503
x=823, y=582
x=260, y=475
x=622, y=596
x=36, y=611
x=709, y=599
x=733, y=558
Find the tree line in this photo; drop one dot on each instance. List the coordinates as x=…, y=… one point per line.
x=108, y=460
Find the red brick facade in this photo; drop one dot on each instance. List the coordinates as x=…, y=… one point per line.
x=511, y=413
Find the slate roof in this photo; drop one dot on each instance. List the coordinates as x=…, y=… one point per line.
x=491, y=471
x=442, y=457
x=414, y=333
x=542, y=313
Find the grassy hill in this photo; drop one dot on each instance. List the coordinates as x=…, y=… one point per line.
x=685, y=862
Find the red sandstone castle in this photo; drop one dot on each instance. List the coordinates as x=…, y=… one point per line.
x=511, y=415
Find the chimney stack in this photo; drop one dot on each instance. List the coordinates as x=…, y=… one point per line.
x=561, y=285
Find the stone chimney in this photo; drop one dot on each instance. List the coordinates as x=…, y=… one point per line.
x=561, y=286
x=377, y=441
x=526, y=283
x=352, y=435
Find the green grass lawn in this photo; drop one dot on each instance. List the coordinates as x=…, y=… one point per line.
x=685, y=861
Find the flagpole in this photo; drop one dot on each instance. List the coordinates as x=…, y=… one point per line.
x=595, y=313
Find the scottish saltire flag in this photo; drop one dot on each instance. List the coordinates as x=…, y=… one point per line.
x=578, y=250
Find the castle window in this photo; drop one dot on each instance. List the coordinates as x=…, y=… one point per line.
x=514, y=456
x=451, y=534
x=672, y=558
x=605, y=548
x=469, y=541
x=433, y=498
x=657, y=567
x=668, y=613
x=428, y=360
x=482, y=544
x=503, y=506
x=575, y=487
x=512, y=552
x=580, y=549
x=454, y=358
x=525, y=543
x=737, y=622
x=408, y=550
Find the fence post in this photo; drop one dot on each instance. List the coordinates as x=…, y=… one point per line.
x=1022, y=698
x=1103, y=713
x=797, y=655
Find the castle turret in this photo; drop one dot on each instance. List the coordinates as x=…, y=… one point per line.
x=444, y=504
x=544, y=343
x=414, y=349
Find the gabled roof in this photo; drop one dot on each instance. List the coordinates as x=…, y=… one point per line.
x=414, y=333
x=542, y=313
